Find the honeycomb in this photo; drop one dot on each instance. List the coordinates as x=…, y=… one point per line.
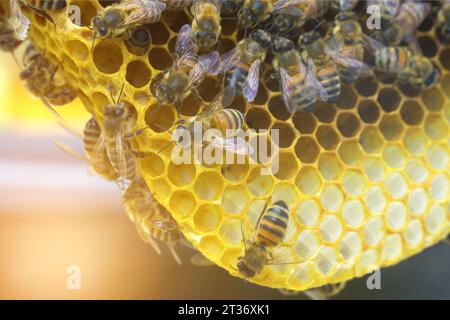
x=366, y=179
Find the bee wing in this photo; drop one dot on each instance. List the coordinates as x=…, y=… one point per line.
x=286, y=91
x=197, y=10
x=200, y=260
x=100, y=146
x=227, y=60
x=250, y=89
x=311, y=82
x=372, y=44
x=205, y=64
x=343, y=61
x=185, y=43
x=120, y=151
x=20, y=23
x=282, y=4
x=143, y=11
x=411, y=39
x=234, y=145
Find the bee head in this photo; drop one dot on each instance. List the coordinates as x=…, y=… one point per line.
x=281, y=45
x=262, y=37
x=115, y=111
x=141, y=36
x=246, y=18
x=309, y=38
x=99, y=27
x=164, y=95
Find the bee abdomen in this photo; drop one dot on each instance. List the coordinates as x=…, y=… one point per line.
x=128, y=167
x=227, y=119
x=331, y=83
x=236, y=76
x=273, y=225
x=47, y=4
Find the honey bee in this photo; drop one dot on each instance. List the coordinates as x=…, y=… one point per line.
x=8, y=40
x=253, y=12
x=289, y=15
x=241, y=65
x=42, y=80
x=326, y=291
x=231, y=7
x=153, y=222
x=410, y=67
x=20, y=23
x=321, y=64
x=206, y=26
x=214, y=116
x=444, y=20
x=347, y=48
x=299, y=89
x=122, y=17
x=177, y=5
x=387, y=7
x=139, y=41
x=269, y=233
x=344, y=5
x=187, y=72
x=402, y=27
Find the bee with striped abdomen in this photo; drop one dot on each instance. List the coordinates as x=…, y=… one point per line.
x=42, y=80
x=346, y=47
x=139, y=41
x=206, y=26
x=241, y=65
x=402, y=27
x=120, y=18
x=187, y=72
x=443, y=26
x=299, y=89
x=269, y=233
x=289, y=15
x=321, y=64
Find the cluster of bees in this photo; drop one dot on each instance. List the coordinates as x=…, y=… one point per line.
x=310, y=66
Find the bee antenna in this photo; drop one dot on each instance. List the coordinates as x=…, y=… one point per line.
x=93, y=42
x=166, y=146
x=318, y=25
x=121, y=92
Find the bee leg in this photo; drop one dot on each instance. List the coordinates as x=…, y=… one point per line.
x=197, y=95
x=42, y=14
x=175, y=255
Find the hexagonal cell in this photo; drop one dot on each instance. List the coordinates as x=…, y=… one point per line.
x=307, y=150
x=258, y=118
x=70, y=65
x=353, y=213
x=348, y=124
x=412, y=113
x=391, y=127
x=368, y=262
x=366, y=86
x=160, y=184
x=100, y=100
x=259, y=185
x=347, y=98
x=350, y=246
x=396, y=185
x=350, y=153
x=308, y=212
x=396, y=216
x=370, y=140
x=437, y=156
x=327, y=137
x=413, y=234
x=288, y=166
x=329, y=166
x=416, y=170
x=160, y=34
x=208, y=89
x=307, y=244
x=409, y=90
x=304, y=274
x=87, y=12
x=262, y=96
x=330, y=228
x=278, y=109
x=159, y=58
x=208, y=185
x=271, y=82
x=331, y=197
x=286, y=134
x=285, y=192
x=181, y=174
x=374, y=231
x=326, y=260
x=139, y=41
x=374, y=169
x=436, y=127
x=138, y=74
x=208, y=217
x=308, y=181
x=375, y=199
x=444, y=58
x=231, y=231
x=439, y=188
x=353, y=183
x=235, y=172
x=176, y=19
x=368, y=111
x=445, y=85
x=304, y=122
x=392, y=248
x=77, y=49
x=418, y=201
x=182, y=203
x=428, y=46
x=107, y=57
x=211, y=246
x=234, y=199
x=152, y=164
x=325, y=112
x=436, y=219
x=415, y=141
x=433, y=99
x=394, y=156
x=159, y=119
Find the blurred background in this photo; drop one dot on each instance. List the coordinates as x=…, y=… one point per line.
x=55, y=214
